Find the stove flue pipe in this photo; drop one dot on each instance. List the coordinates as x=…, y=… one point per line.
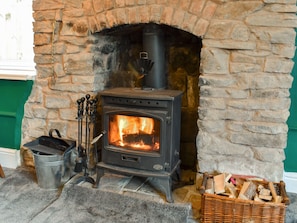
x=153, y=45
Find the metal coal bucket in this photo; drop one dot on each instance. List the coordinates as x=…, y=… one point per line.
x=52, y=159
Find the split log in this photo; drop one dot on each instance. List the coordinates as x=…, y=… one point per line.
x=247, y=191
x=256, y=198
x=232, y=189
x=219, y=183
x=264, y=192
x=265, y=197
x=227, y=176
x=209, y=186
x=203, y=185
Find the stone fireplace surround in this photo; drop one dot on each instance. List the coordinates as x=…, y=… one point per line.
x=246, y=61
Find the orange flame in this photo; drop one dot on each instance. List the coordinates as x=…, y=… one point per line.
x=134, y=132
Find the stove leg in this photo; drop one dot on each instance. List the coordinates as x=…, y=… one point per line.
x=177, y=175
x=166, y=184
x=100, y=173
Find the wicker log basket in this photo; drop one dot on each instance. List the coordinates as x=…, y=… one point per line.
x=223, y=209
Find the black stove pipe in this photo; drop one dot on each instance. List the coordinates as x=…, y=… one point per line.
x=153, y=45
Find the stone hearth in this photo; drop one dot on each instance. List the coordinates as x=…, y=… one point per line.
x=244, y=78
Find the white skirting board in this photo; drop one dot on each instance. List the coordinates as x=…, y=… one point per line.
x=290, y=178
x=10, y=158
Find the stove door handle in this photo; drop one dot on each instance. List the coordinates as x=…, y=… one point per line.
x=130, y=158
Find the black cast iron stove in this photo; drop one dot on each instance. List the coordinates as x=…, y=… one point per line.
x=142, y=134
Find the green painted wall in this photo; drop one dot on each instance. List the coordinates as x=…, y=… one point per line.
x=13, y=95
x=291, y=150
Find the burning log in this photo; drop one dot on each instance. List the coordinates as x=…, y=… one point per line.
x=141, y=138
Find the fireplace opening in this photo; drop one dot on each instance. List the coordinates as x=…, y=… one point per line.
x=122, y=46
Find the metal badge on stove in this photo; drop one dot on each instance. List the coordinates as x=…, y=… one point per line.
x=158, y=167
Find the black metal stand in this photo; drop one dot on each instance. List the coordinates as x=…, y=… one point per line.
x=83, y=158
x=164, y=178
x=85, y=177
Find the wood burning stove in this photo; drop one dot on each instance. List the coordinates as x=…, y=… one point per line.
x=142, y=134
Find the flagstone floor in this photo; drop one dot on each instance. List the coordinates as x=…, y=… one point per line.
x=23, y=201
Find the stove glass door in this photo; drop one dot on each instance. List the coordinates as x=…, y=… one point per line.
x=135, y=133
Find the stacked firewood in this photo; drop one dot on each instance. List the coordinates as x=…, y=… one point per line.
x=244, y=187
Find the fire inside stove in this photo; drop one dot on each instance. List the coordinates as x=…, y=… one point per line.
x=134, y=132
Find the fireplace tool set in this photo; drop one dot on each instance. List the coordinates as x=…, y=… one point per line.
x=86, y=111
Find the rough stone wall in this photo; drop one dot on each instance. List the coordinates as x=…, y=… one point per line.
x=244, y=88
x=246, y=62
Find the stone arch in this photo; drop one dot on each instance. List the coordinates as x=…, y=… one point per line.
x=193, y=17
